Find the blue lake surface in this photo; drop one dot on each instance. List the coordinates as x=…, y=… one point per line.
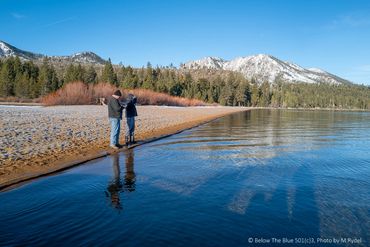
x=299, y=175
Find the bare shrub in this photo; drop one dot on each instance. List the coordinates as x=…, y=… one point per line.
x=74, y=93
x=148, y=97
x=103, y=90
x=79, y=93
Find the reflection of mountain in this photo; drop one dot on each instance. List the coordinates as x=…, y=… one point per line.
x=252, y=138
x=265, y=181
x=267, y=165
x=186, y=187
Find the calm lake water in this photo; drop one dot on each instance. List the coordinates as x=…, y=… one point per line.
x=299, y=175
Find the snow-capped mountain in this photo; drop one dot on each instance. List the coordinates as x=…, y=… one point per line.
x=81, y=57
x=266, y=68
x=7, y=50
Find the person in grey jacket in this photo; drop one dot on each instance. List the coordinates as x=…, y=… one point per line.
x=131, y=113
x=115, y=115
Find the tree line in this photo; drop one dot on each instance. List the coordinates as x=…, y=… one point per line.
x=24, y=79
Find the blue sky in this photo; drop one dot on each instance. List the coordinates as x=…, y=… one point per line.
x=333, y=35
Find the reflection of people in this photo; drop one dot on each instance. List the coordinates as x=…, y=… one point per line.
x=115, y=116
x=129, y=182
x=115, y=186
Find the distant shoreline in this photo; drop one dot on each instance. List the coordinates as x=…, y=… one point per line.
x=19, y=104
x=250, y=107
x=46, y=140
x=312, y=109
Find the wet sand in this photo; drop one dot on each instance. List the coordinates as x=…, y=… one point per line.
x=38, y=140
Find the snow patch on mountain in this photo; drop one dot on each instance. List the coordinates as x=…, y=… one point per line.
x=207, y=63
x=268, y=68
x=317, y=70
x=7, y=50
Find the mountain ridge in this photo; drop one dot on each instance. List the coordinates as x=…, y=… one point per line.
x=264, y=67
x=87, y=57
x=260, y=67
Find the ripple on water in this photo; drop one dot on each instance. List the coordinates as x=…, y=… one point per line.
x=259, y=173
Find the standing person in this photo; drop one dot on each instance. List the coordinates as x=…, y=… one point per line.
x=115, y=116
x=131, y=113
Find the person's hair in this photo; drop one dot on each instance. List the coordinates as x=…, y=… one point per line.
x=117, y=93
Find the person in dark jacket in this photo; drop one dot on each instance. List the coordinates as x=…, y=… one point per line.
x=131, y=113
x=115, y=115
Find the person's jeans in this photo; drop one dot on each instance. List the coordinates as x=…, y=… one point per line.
x=130, y=126
x=114, y=130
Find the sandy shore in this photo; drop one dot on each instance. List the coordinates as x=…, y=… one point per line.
x=38, y=140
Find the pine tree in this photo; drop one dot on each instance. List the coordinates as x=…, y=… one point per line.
x=7, y=77
x=218, y=84
x=17, y=65
x=265, y=94
x=80, y=73
x=149, y=79
x=90, y=75
x=22, y=86
x=34, y=89
x=242, y=94
x=70, y=74
x=226, y=96
x=108, y=74
x=121, y=73
x=47, y=80
x=255, y=97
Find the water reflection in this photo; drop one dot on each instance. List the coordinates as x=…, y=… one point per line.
x=267, y=173
x=130, y=176
x=253, y=137
x=294, y=166
x=116, y=186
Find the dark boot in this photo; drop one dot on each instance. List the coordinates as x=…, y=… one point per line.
x=133, y=139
